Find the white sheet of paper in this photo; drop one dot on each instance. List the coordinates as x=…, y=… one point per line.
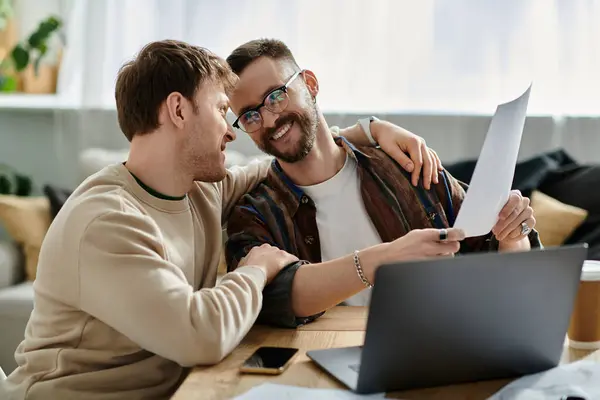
x=581, y=378
x=495, y=169
x=285, y=392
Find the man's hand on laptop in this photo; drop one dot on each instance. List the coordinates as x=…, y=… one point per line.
x=268, y=258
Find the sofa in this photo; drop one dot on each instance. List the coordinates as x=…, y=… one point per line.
x=16, y=303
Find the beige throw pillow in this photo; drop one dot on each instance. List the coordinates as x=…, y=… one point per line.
x=555, y=221
x=26, y=219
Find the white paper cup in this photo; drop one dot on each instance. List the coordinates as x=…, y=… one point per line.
x=584, y=329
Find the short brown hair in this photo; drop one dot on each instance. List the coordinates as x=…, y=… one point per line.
x=245, y=54
x=160, y=69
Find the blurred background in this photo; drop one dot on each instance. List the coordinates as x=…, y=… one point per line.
x=436, y=67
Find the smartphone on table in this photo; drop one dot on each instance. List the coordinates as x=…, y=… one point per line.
x=269, y=360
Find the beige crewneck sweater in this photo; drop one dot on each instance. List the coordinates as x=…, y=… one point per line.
x=125, y=294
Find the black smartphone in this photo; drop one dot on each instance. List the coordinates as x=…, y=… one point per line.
x=269, y=360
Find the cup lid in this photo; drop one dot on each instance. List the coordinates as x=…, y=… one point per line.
x=590, y=270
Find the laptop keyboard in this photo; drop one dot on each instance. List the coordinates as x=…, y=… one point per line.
x=354, y=367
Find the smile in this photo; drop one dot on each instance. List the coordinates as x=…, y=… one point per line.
x=282, y=131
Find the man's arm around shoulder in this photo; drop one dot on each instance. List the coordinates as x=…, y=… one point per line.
x=239, y=181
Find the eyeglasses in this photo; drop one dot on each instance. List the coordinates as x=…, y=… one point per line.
x=276, y=101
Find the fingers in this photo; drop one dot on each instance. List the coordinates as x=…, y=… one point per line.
x=514, y=200
x=422, y=159
x=435, y=169
x=513, y=230
x=420, y=243
x=516, y=234
x=435, y=235
x=428, y=167
x=262, y=248
x=258, y=251
x=455, y=234
x=285, y=254
x=288, y=259
x=417, y=156
x=443, y=248
x=437, y=160
x=401, y=158
x=510, y=212
x=449, y=245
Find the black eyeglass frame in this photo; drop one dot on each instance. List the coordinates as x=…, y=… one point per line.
x=284, y=88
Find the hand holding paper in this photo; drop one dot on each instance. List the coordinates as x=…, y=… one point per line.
x=517, y=210
x=490, y=185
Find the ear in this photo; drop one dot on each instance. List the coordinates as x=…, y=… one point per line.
x=311, y=82
x=175, y=106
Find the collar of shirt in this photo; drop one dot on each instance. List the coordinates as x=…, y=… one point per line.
x=292, y=194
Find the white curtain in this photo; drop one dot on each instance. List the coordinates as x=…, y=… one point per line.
x=437, y=67
x=371, y=56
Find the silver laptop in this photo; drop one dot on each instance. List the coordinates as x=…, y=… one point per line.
x=468, y=318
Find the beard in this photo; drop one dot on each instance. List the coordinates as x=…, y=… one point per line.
x=207, y=169
x=307, y=122
x=203, y=165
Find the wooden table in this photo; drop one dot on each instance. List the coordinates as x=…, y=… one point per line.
x=339, y=327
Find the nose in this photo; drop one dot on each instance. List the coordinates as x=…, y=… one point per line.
x=268, y=117
x=230, y=136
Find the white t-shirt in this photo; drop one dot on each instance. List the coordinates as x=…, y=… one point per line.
x=342, y=219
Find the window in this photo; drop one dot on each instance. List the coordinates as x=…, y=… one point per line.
x=384, y=56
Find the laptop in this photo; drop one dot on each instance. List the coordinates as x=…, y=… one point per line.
x=462, y=319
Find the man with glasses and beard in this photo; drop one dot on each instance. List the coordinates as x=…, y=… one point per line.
x=343, y=210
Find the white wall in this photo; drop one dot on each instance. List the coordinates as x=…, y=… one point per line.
x=46, y=144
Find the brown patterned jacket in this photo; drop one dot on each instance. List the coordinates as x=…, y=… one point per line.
x=279, y=213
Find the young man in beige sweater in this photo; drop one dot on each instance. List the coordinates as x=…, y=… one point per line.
x=126, y=295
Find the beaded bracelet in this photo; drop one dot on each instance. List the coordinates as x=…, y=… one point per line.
x=360, y=272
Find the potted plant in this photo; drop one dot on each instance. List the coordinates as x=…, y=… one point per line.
x=27, y=58
x=8, y=81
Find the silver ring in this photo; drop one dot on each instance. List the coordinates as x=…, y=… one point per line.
x=443, y=234
x=525, y=229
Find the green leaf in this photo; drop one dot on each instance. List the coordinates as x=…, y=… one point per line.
x=8, y=84
x=44, y=31
x=36, y=39
x=20, y=57
x=43, y=48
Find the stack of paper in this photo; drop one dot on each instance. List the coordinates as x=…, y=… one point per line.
x=285, y=392
x=580, y=379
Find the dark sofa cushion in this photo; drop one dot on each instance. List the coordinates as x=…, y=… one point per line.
x=559, y=176
x=57, y=197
